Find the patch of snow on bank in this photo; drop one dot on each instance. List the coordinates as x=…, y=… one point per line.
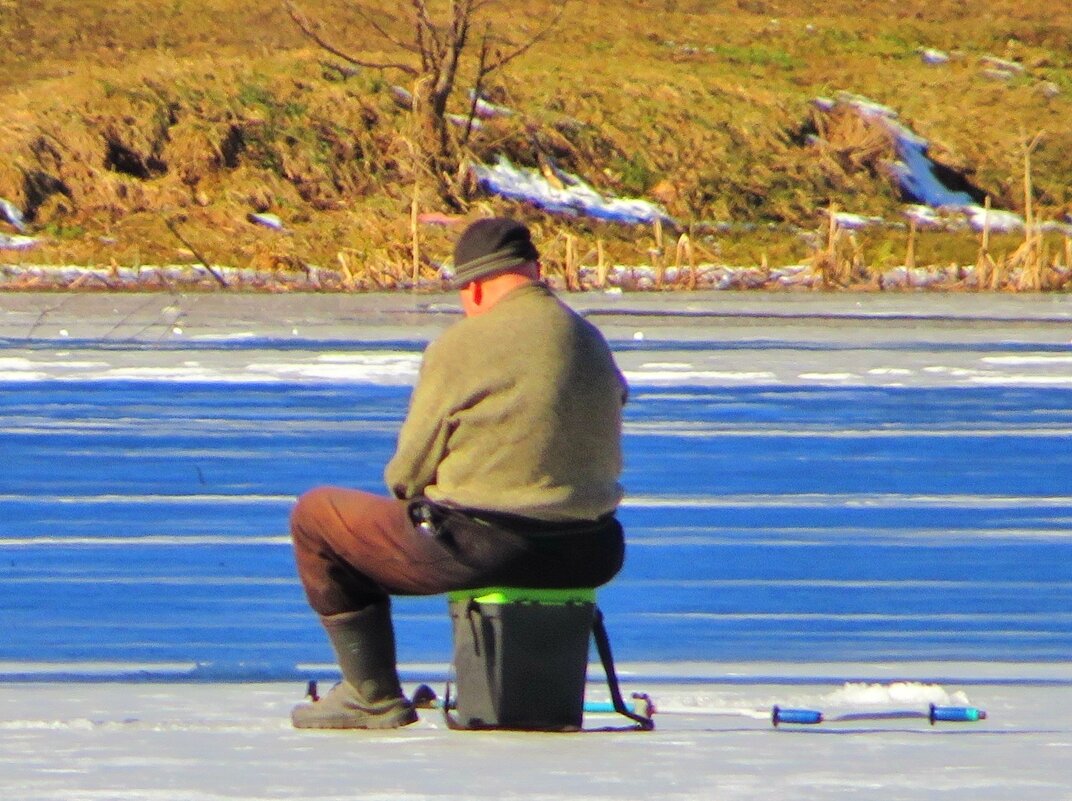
x=175, y=276
x=272, y=221
x=486, y=109
x=12, y=214
x=933, y=56
x=853, y=222
x=16, y=242
x=915, y=171
x=980, y=217
x=567, y=195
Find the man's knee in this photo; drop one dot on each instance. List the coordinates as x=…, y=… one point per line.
x=308, y=513
x=329, y=512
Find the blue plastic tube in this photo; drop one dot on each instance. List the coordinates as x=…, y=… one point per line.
x=956, y=714
x=803, y=716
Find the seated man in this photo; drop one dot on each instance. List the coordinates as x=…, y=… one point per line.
x=506, y=473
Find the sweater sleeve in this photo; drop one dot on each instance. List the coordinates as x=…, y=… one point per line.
x=422, y=442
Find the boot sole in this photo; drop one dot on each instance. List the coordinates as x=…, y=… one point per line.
x=387, y=721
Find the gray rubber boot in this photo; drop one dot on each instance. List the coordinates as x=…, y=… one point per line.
x=370, y=696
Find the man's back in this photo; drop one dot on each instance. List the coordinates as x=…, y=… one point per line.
x=517, y=410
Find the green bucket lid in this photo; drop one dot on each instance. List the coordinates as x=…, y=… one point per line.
x=532, y=595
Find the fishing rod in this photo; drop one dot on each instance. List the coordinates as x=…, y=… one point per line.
x=424, y=697
x=934, y=714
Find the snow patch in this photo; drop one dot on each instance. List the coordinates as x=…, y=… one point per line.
x=562, y=193
x=17, y=242
x=930, y=55
x=13, y=214
x=901, y=693
x=917, y=173
x=272, y=221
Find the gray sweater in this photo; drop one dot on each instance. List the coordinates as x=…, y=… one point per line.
x=516, y=410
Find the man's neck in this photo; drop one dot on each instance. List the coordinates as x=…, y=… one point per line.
x=491, y=291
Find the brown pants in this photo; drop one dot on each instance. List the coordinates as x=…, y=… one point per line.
x=354, y=548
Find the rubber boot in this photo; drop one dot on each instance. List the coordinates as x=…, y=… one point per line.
x=369, y=696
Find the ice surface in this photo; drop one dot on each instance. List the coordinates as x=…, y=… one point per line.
x=148, y=742
x=833, y=514
x=784, y=364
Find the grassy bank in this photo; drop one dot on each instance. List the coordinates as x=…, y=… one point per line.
x=148, y=131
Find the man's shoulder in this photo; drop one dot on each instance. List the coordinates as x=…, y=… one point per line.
x=444, y=342
x=461, y=337
x=540, y=301
x=528, y=310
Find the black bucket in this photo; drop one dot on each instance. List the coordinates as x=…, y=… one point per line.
x=521, y=664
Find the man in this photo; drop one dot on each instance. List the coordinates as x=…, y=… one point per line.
x=506, y=473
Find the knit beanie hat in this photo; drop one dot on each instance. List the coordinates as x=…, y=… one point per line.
x=489, y=247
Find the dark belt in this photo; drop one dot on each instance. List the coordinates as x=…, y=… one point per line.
x=433, y=517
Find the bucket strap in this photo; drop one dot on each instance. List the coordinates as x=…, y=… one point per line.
x=448, y=703
x=599, y=631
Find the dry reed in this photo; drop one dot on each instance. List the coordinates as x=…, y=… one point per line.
x=1030, y=255
x=570, y=266
x=415, y=237
x=985, y=268
x=601, y=264
x=833, y=268
x=682, y=254
x=657, y=253
x=910, y=249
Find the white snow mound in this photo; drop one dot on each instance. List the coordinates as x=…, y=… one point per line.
x=895, y=693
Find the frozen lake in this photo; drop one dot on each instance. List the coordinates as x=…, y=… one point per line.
x=803, y=486
x=834, y=502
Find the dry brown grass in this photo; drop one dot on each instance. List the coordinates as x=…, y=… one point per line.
x=150, y=111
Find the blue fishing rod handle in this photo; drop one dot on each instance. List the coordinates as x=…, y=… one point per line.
x=956, y=714
x=802, y=716
x=605, y=706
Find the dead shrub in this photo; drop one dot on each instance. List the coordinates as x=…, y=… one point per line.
x=135, y=126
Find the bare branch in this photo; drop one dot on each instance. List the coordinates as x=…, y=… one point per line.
x=174, y=228
x=459, y=29
x=428, y=35
x=422, y=46
x=310, y=30
x=408, y=47
x=502, y=61
x=440, y=49
x=478, y=85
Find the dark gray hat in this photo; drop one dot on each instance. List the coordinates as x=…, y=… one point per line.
x=489, y=247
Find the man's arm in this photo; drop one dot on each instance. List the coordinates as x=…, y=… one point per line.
x=422, y=442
